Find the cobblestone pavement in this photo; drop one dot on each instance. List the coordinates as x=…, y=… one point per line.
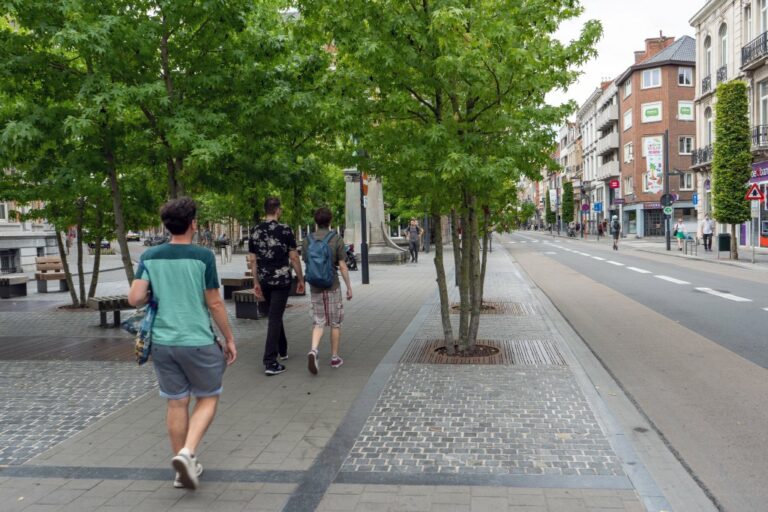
x=45, y=402
x=459, y=420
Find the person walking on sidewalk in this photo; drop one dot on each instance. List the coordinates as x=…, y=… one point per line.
x=414, y=233
x=615, y=231
x=707, y=230
x=679, y=232
x=187, y=357
x=274, y=248
x=327, y=304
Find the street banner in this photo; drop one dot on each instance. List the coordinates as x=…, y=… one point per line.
x=654, y=156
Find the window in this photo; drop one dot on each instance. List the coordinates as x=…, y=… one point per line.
x=651, y=78
x=686, y=181
x=763, y=16
x=628, y=87
x=708, y=125
x=764, y=102
x=685, y=145
x=644, y=178
x=685, y=110
x=708, y=55
x=685, y=76
x=723, y=45
x=627, y=119
x=629, y=185
x=650, y=112
x=629, y=153
x=3, y=212
x=748, y=22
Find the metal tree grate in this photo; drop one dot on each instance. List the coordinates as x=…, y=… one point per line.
x=502, y=308
x=511, y=352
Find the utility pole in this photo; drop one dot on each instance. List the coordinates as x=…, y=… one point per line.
x=364, y=233
x=666, y=189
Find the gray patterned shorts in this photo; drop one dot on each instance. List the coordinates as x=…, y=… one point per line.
x=327, y=308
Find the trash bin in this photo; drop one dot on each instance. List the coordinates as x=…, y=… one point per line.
x=724, y=242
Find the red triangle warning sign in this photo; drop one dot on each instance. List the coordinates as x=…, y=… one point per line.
x=754, y=193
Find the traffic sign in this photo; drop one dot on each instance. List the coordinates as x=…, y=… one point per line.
x=598, y=207
x=668, y=210
x=754, y=193
x=695, y=198
x=585, y=207
x=667, y=199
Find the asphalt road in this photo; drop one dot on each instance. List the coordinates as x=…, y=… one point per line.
x=685, y=339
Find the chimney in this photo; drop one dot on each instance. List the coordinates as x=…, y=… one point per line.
x=653, y=46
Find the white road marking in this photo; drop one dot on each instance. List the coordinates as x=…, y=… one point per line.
x=583, y=253
x=722, y=295
x=639, y=270
x=672, y=280
x=550, y=252
x=598, y=258
x=765, y=309
x=615, y=263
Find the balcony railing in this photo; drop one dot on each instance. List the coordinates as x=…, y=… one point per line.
x=760, y=137
x=706, y=84
x=702, y=156
x=755, y=50
x=608, y=143
x=722, y=74
x=610, y=169
x=607, y=116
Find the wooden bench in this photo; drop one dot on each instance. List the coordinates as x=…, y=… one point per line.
x=234, y=284
x=104, y=305
x=50, y=268
x=13, y=285
x=246, y=305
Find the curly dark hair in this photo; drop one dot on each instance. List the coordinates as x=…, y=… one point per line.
x=323, y=217
x=178, y=214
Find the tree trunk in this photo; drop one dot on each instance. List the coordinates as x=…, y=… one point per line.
x=65, y=266
x=442, y=286
x=173, y=182
x=466, y=271
x=475, y=283
x=117, y=205
x=456, y=245
x=487, y=234
x=80, y=274
x=97, y=256
x=734, y=243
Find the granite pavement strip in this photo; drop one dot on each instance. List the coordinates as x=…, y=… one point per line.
x=291, y=441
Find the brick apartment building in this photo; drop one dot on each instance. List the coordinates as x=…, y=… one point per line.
x=657, y=94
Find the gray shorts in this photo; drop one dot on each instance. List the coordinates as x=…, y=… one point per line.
x=184, y=371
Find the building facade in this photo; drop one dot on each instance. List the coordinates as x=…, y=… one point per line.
x=22, y=241
x=656, y=94
x=584, y=192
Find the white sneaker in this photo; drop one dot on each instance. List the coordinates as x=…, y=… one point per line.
x=186, y=477
x=312, y=362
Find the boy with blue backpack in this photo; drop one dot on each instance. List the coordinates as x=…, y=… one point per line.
x=324, y=252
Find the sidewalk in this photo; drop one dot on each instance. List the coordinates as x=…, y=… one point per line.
x=387, y=431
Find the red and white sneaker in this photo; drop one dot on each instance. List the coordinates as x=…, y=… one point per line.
x=336, y=361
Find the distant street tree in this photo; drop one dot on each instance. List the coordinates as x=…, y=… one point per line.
x=550, y=216
x=567, y=204
x=731, y=162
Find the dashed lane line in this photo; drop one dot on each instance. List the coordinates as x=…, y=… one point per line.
x=598, y=258
x=639, y=270
x=615, y=263
x=671, y=279
x=724, y=295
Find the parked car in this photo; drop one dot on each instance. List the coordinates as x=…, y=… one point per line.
x=156, y=240
x=132, y=236
x=104, y=244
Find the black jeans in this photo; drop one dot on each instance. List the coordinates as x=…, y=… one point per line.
x=413, y=248
x=275, y=300
x=707, y=242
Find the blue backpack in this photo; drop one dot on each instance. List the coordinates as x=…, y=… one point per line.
x=320, y=272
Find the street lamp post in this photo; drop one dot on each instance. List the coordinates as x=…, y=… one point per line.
x=363, y=233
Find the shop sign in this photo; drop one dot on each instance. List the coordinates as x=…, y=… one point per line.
x=613, y=184
x=618, y=200
x=652, y=206
x=759, y=171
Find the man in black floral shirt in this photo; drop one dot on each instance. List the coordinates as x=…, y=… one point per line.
x=274, y=248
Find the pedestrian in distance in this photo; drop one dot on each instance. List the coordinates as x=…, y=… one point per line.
x=707, y=231
x=187, y=357
x=679, y=233
x=600, y=230
x=273, y=246
x=413, y=234
x=324, y=252
x=615, y=231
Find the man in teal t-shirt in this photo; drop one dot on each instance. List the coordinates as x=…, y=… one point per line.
x=187, y=358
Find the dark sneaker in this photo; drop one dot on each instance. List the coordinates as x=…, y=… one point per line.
x=186, y=467
x=312, y=362
x=283, y=357
x=178, y=484
x=336, y=361
x=274, y=369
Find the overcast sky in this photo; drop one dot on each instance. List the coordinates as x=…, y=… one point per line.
x=626, y=25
